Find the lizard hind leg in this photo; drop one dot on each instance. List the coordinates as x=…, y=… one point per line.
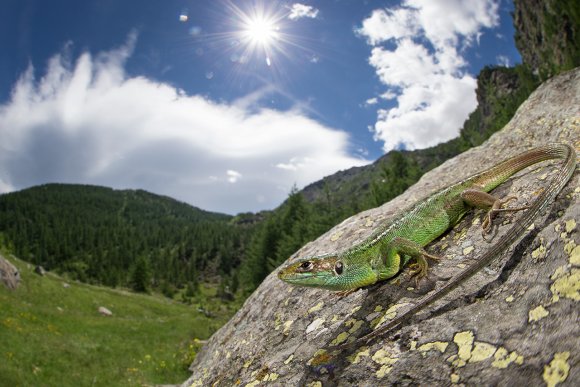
x=482, y=199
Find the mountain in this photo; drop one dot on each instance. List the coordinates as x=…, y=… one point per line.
x=101, y=235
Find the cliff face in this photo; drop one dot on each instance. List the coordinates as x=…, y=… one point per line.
x=548, y=34
x=516, y=320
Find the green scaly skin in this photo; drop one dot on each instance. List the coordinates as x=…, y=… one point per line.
x=387, y=251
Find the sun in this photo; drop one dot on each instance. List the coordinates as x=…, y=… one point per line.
x=261, y=31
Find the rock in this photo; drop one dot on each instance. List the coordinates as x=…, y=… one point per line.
x=40, y=270
x=515, y=322
x=65, y=285
x=9, y=274
x=104, y=311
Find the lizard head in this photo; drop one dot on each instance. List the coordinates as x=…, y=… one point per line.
x=328, y=272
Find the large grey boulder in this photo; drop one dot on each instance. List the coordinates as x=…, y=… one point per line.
x=515, y=321
x=9, y=274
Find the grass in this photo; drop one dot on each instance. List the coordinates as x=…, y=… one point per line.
x=53, y=335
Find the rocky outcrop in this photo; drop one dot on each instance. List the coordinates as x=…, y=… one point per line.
x=548, y=34
x=516, y=320
x=9, y=274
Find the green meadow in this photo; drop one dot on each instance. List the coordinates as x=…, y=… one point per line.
x=51, y=334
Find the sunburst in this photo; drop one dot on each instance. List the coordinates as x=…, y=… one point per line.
x=261, y=30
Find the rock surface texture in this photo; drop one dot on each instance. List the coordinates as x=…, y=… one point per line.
x=515, y=321
x=9, y=274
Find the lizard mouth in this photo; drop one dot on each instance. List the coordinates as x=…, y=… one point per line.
x=310, y=278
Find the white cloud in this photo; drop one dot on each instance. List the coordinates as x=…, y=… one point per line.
x=503, y=60
x=299, y=11
x=88, y=122
x=371, y=101
x=418, y=54
x=233, y=176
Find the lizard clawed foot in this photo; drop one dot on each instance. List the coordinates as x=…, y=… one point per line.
x=420, y=267
x=495, y=209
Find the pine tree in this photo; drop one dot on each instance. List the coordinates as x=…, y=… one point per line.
x=141, y=275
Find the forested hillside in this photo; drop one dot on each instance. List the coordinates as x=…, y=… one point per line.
x=130, y=238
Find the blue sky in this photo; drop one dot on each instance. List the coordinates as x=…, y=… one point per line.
x=226, y=104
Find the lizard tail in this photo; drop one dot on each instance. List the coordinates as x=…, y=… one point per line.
x=496, y=175
x=548, y=152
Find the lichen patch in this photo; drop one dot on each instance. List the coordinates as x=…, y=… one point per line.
x=362, y=352
x=537, y=313
x=575, y=256
x=464, y=341
x=440, y=346
x=558, y=369
x=570, y=225
x=341, y=338
x=503, y=358
x=386, y=359
x=316, y=307
x=567, y=286
x=482, y=351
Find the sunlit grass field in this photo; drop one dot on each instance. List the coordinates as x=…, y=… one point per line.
x=53, y=335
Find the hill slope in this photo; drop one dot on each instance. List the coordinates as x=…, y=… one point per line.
x=52, y=335
x=101, y=235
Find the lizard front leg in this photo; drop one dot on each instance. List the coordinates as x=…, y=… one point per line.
x=482, y=199
x=412, y=250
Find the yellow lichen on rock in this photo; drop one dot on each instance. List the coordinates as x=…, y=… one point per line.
x=570, y=225
x=271, y=377
x=575, y=256
x=468, y=250
x=336, y=236
x=354, y=325
x=558, y=369
x=341, y=338
x=440, y=346
x=567, y=286
x=504, y=359
x=539, y=253
x=362, y=352
x=386, y=359
x=537, y=313
x=316, y=307
x=454, y=378
x=287, y=326
x=464, y=341
x=482, y=351
x=390, y=314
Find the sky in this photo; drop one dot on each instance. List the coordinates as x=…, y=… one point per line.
x=228, y=104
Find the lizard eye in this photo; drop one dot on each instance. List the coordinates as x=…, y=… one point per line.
x=338, y=268
x=306, y=266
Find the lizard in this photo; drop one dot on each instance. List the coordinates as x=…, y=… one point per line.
x=388, y=250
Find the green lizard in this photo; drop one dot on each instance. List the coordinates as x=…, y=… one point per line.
x=386, y=252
